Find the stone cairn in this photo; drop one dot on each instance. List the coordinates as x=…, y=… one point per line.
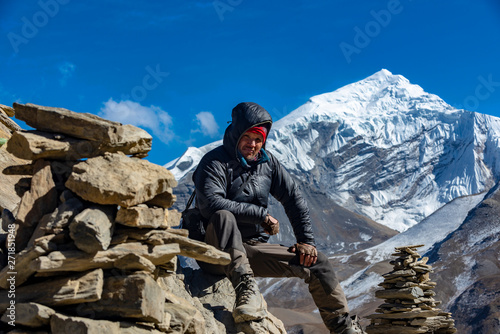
x=409, y=306
x=91, y=246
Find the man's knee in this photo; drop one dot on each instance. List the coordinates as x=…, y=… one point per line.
x=325, y=272
x=222, y=218
x=223, y=215
x=322, y=258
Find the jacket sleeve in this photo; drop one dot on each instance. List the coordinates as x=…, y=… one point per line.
x=285, y=190
x=210, y=180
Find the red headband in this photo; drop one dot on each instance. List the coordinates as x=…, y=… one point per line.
x=261, y=130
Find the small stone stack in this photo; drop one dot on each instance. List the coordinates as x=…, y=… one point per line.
x=90, y=241
x=408, y=295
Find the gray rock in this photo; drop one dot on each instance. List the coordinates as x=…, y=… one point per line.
x=163, y=200
x=61, y=324
x=101, y=180
x=31, y=315
x=92, y=229
x=57, y=221
x=76, y=289
x=136, y=296
x=188, y=247
x=9, y=111
x=11, y=179
x=32, y=145
x=115, y=136
x=142, y=216
x=10, y=124
x=35, y=203
x=74, y=260
x=22, y=262
x=134, y=262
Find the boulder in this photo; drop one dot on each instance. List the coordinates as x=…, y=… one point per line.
x=136, y=296
x=134, y=262
x=22, y=262
x=92, y=229
x=8, y=125
x=76, y=289
x=173, y=218
x=35, y=203
x=31, y=315
x=188, y=247
x=163, y=200
x=61, y=324
x=142, y=216
x=75, y=260
x=115, y=136
x=14, y=173
x=101, y=180
x=57, y=221
x=9, y=111
x=33, y=145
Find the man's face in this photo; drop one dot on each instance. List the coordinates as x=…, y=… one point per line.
x=250, y=145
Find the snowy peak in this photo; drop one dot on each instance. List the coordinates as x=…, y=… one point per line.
x=189, y=160
x=384, y=148
x=381, y=94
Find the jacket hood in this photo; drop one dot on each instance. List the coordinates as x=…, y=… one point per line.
x=244, y=116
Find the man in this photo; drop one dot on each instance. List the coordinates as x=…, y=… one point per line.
x=233, y=183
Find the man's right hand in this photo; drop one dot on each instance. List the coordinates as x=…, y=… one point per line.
x=271, y=225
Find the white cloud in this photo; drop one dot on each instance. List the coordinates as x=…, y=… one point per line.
x=208, y=125
x=67, y=69
x=130, y=112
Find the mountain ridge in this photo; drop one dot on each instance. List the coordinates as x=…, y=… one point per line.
x=383, y=148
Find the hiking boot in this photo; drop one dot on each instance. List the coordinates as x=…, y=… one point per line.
x=354, y=328
x=249, y=302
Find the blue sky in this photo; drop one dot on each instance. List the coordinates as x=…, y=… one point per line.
x=177, y=67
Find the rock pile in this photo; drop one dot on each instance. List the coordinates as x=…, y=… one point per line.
x=409, y=306
x=9, y=182
x=90, y=247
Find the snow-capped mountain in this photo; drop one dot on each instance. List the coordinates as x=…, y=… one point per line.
x=382, y=153
x=382, y=147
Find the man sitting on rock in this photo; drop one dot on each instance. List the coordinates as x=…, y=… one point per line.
x=233, y=183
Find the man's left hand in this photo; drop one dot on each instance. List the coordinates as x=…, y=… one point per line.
x=308, y=254
x=271, y=225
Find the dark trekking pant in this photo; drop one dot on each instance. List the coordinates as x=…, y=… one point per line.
x=272, y=260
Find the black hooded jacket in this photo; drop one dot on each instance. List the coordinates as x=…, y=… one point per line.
x=220, y=175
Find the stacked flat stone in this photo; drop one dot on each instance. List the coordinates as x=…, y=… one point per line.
x=409, y=306
x=90, y=247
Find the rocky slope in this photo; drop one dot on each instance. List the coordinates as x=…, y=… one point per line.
x=469, y=257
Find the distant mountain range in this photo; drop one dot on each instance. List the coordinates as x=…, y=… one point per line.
x=382, y=156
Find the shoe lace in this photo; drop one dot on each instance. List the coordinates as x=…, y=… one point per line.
x=244, y=290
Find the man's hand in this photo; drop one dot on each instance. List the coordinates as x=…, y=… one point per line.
x=271, y=225
x=308, y=254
